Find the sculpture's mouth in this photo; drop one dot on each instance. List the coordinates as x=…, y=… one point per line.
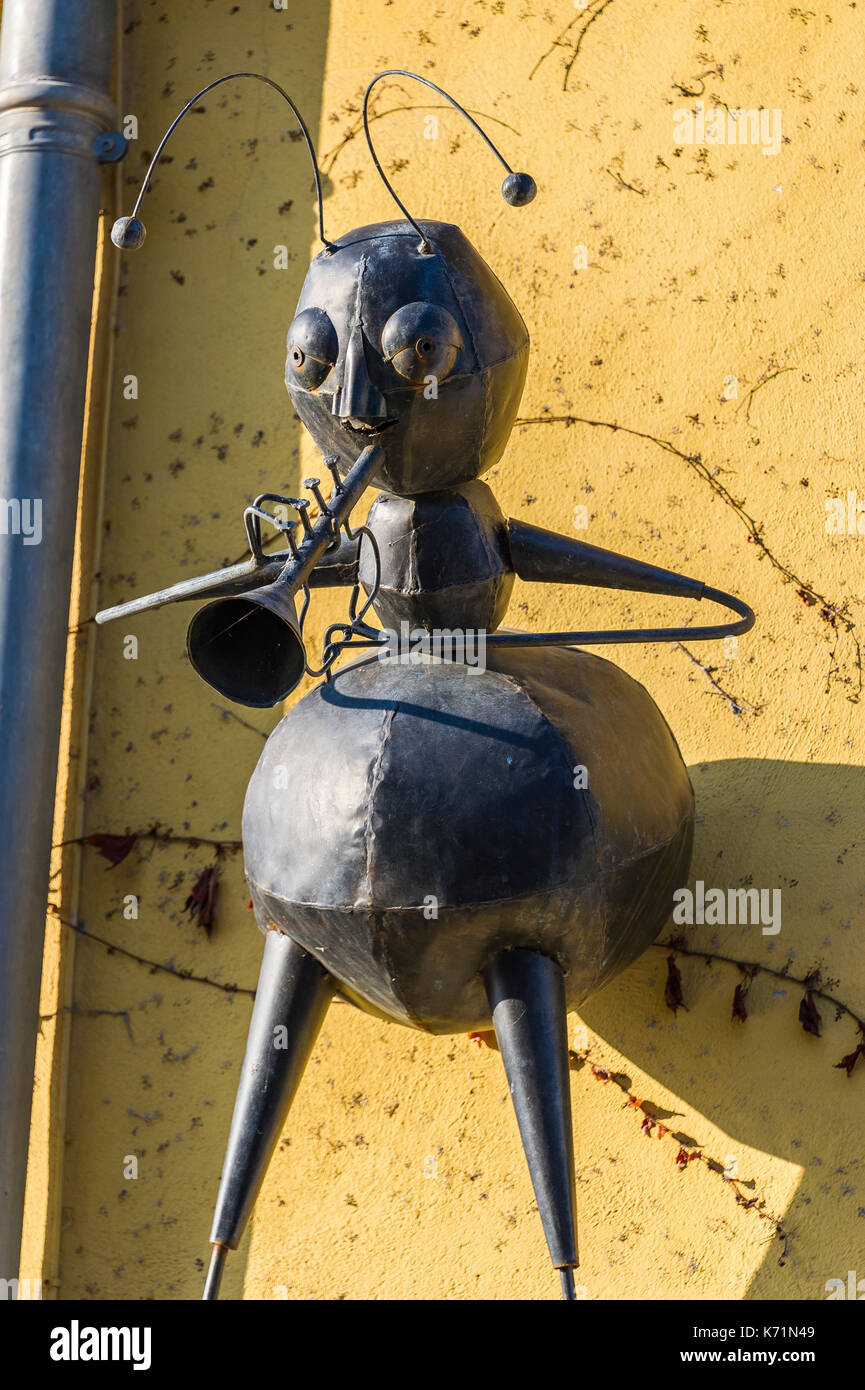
x=368, y=429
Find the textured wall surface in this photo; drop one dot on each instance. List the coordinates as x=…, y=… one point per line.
x=696, y=385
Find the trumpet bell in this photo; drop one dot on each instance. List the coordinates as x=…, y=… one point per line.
x=249, y=647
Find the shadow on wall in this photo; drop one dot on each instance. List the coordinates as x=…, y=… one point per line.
x=769, y=1087
x=765, y=1082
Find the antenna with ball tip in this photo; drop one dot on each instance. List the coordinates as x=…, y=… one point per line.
x=517, y=189
x=128, y=233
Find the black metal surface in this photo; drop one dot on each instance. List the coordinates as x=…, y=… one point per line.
x=527, y=998
x=215, y=1271
x=290, y=1004
x=249, y=647
x=473, y=836
x=432, y=441
x=431, y=785
x=128, y=233
x=449, y=560
x=517, y=189
x=599, y=637
x=548, y=558
x=444, y=560
x=337, y=567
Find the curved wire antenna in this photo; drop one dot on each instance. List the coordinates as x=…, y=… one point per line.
x=129, y=232
x=517, y=189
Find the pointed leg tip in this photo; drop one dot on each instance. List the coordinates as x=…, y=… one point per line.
x=526, y=992
x=214, y=1274
x=569, y=1292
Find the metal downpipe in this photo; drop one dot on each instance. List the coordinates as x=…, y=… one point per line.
x=56, y=124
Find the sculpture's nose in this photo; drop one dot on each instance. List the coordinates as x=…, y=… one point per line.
x=358, y=398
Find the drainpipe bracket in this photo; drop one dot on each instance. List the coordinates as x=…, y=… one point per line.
x=110, y=146
x=48, y=114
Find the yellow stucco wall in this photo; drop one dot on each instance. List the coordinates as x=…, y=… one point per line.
x=400, y=1173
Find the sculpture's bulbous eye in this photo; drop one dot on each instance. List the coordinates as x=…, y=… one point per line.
x=420, y=341
x=313, y=348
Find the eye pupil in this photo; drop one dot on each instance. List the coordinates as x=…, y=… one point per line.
x=419, y=340
x=312, y=348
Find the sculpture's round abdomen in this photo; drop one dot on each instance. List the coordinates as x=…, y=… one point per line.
x=405, y=823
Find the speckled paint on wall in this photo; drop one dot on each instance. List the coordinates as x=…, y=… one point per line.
x=693, y=398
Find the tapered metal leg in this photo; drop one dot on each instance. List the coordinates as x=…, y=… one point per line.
x=290, y=1004
x=526, y=992
x=214, y=1273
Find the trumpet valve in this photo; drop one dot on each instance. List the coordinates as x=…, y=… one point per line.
x=331, y=462
x=301, y=506
x=313, y=485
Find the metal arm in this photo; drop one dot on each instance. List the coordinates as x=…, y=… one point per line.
x=610, y=636
x=540, y=556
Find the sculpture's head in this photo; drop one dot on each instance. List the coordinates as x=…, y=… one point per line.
x=422, y=348
x=401, y=332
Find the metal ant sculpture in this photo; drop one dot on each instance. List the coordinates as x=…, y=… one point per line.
x=462, y=846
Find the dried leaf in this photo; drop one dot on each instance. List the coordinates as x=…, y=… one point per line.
x=201, y=903
x=673, y=987
x=683, y=1157
x=662, y=1130
x=739, y=1010
x=484, y=1038
x=113, y=847
x=849, y=1062
x=647, y=1126
x=808, y=1015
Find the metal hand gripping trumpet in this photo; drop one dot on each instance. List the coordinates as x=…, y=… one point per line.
x=419, y=778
